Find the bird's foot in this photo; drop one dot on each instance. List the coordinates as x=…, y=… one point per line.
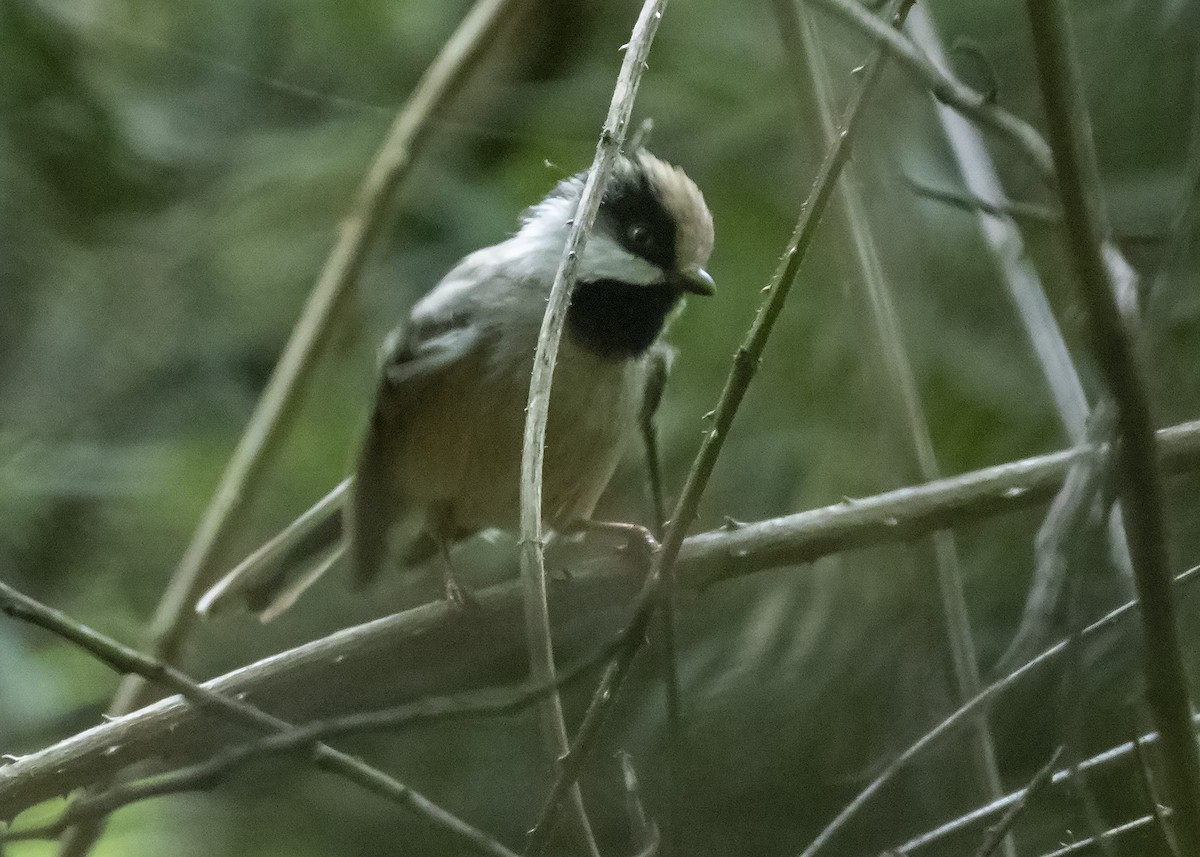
x=460, y=597
x=639, y=541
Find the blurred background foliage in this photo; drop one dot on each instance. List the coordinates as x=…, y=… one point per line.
x=171, y=176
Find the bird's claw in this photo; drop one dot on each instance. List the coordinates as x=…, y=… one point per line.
x=460, y=598
x=641, y=544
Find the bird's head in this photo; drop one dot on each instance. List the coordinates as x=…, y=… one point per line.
x=651, y=241
x=653, y=229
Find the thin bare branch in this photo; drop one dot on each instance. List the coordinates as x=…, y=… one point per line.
x=304, y=739
x=131, y=662
x=899, y=515
x=974, y=105
x=1117, y=354
x=896, y=379
x=658, y=370
x=643, y=831
x=962, y=714
x=1043, y=215
x=745, y=365
x=533, y=565
x=999, y=831
x=405, y=653
x=1113, y=832
x=175, y=615
x=1114, y=754
x=1156, y=808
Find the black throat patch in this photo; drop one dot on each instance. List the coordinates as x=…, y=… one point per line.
x=619, y=320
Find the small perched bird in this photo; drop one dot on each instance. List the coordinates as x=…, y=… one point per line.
x=441, y=455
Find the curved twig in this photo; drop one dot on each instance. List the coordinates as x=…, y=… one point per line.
x=896, y=384
x=972, y=104
x=745, y=365
x=1116, y=352
x=132, y=662
x=958, y=717
x=174, y=616
x=533, y=566
x=406, y=652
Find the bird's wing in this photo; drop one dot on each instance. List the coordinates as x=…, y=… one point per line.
x=441, y=330
x=445, y=330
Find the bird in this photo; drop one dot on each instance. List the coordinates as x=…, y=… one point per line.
x=440, y=456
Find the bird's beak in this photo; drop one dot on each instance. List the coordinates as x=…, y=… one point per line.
x=697, y=281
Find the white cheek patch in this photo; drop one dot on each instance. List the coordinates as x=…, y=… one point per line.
x=605, y=259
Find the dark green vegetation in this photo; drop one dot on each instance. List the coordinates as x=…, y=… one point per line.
x=172, y=177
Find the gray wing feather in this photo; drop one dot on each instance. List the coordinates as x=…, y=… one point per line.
x=413, y=363
x=441, y=331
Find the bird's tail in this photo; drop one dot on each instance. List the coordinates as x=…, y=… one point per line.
x=266, y=582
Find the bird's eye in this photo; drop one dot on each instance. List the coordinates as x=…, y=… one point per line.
x=639, y=235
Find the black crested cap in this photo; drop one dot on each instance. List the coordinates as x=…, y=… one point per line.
x=650, y=208
x=633, y=213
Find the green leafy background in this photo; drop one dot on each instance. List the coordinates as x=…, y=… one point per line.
x=171, y=179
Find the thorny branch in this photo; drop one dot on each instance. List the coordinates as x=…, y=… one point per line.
x=974, y=105
x=131, y=662
x=955, y=719
x=533, y=564
x=1116, y=352
x=745, y=364
x=406, y=639
x=303, y=739
x=997, y=832
x=174, y=616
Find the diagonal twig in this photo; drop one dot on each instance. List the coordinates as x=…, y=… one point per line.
x=999, y=831
x=745, y=365
x=302, y=739
x=974, y=105
x=1042, y=215
x=533, y=566
x=1151, y=794
x=411, y=642
x=129, y=661
x=1113, y=754
x=1116, y=352
x=174, y=616
x=954, y=720
x=1113, y=832
x=898, y=386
